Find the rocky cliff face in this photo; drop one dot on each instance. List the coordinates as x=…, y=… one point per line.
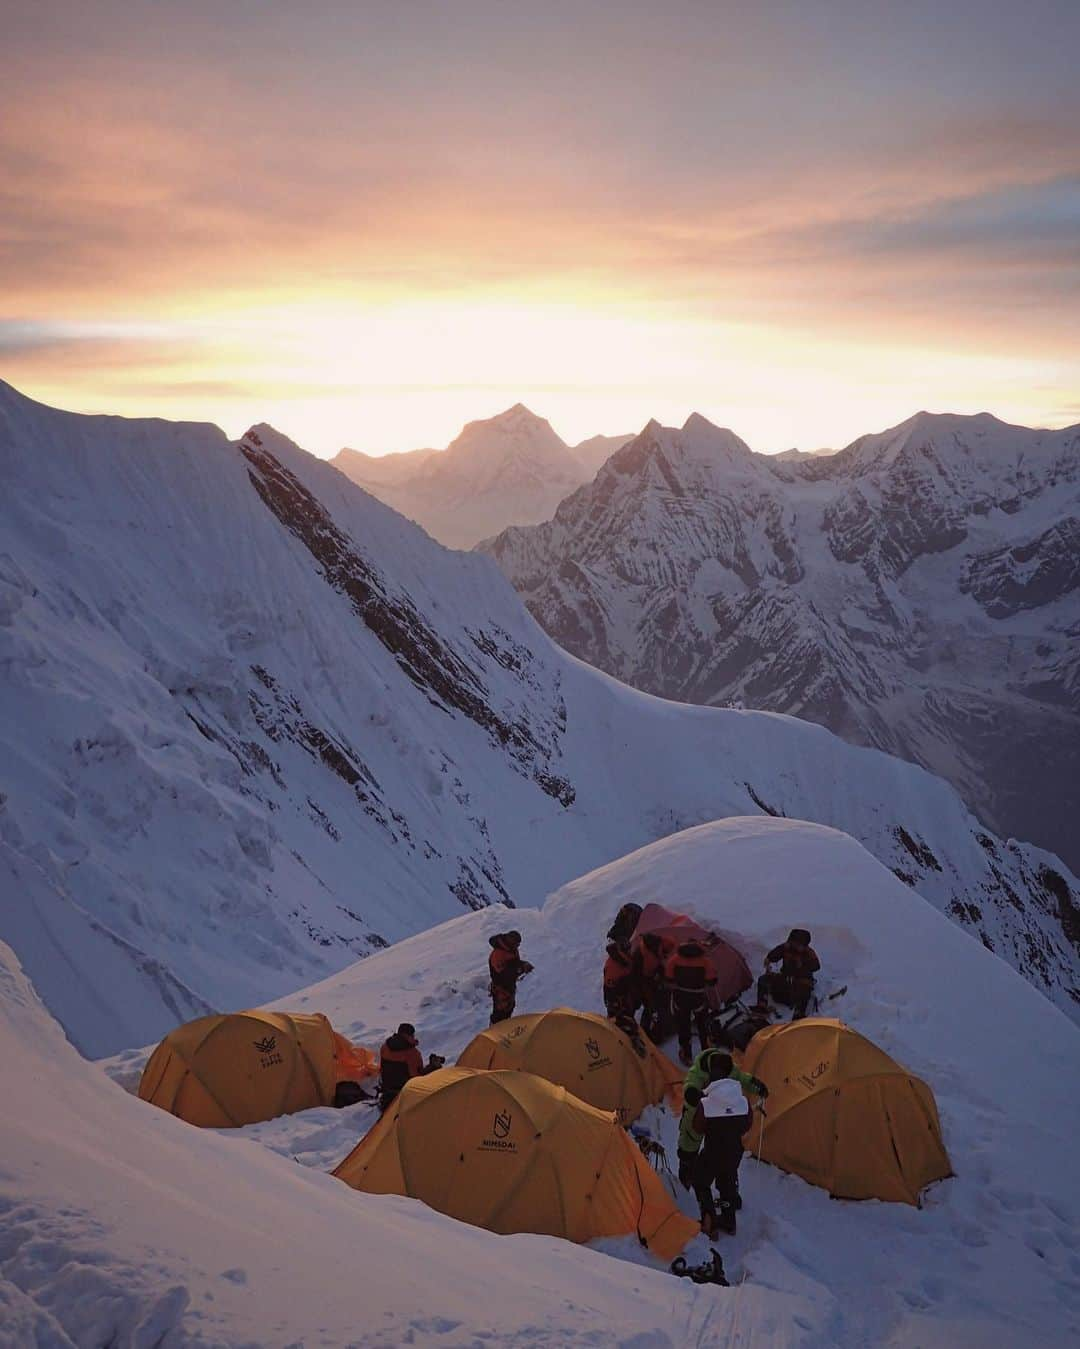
x=918, y=591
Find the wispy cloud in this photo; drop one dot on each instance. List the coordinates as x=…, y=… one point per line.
x=176, y=192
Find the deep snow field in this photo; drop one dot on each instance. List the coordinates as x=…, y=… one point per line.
x=124, y=1226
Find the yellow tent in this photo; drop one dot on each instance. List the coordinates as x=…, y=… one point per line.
x=585, y=1053
x=512, y=1152
x=843, y=1115
x=224, y=1071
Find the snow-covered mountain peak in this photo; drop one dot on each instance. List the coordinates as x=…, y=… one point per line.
x=698, y=445
x=699, y=430
x=509, y=468
x=917, y=591
x=515, y=433
x=257, y=725
x=593, y=453
x=978, y=445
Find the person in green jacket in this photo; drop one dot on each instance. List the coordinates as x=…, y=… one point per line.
x=697, y=1079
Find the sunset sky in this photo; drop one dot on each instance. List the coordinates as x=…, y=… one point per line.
x=370, y=222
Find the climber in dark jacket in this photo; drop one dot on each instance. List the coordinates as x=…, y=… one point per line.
x=400, y=1061
x=621, y=993
x=793, y=983
x=650, y=959
x=626, y=920
x=690, y=975
x=505, y=967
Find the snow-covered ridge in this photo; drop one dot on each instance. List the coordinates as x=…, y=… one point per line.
x=918, y=591
x=990, y=1260
x=257, y=725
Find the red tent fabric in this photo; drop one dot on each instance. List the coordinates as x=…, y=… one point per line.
x=732, y=972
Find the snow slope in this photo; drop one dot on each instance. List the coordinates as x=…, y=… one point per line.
x=257, y=725
x=123, y=1226
x=509, y=469
x=918, y=591
x=993, y=1258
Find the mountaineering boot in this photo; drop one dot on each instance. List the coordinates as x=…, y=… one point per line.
x=709, y=1225
x=738, y=1201
x=686, y=1055
x=725, y=1218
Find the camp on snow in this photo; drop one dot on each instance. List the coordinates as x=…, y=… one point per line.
x=585, y=1053
x=512, y=1152
x=221, y=1072
x=844, y=1115
x=732, y=972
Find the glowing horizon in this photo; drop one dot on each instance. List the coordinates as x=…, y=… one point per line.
x=369, y=226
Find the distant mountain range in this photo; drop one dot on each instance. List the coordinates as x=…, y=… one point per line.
x=257, y=725
x=509, y=469
x=918, y=591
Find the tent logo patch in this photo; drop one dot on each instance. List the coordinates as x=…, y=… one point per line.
x=596, y=1057
x=810, y=1080
x=266, y=1048
x=500, y=1128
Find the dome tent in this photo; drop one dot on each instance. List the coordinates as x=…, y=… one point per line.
x=583, y=1052
x=732, y=972
x=844, y=1115
x=511, y=1152
x=225, y=1071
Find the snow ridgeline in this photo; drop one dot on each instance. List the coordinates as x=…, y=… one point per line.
x=258, y=725
x=130, y=1218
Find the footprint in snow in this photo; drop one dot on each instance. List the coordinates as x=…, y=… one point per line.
x=969, y=1233
x=1012, y=1200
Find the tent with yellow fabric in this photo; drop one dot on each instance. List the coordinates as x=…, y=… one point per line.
x=844, y=1115
x=224, y=1071
x=585, y=1053
x=512, y=1152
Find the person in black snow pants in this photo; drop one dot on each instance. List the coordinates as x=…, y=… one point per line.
x=793, y=983
x=722, y=1118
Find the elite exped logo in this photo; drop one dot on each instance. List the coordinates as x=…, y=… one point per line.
x=592, y=1048
x=509, y=1038
x=266, y=1048
x=500, y=1141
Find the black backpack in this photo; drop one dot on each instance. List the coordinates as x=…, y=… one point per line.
x=743, y=1029
x=349, y=1093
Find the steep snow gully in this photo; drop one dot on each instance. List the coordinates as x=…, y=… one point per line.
x=258, y=725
